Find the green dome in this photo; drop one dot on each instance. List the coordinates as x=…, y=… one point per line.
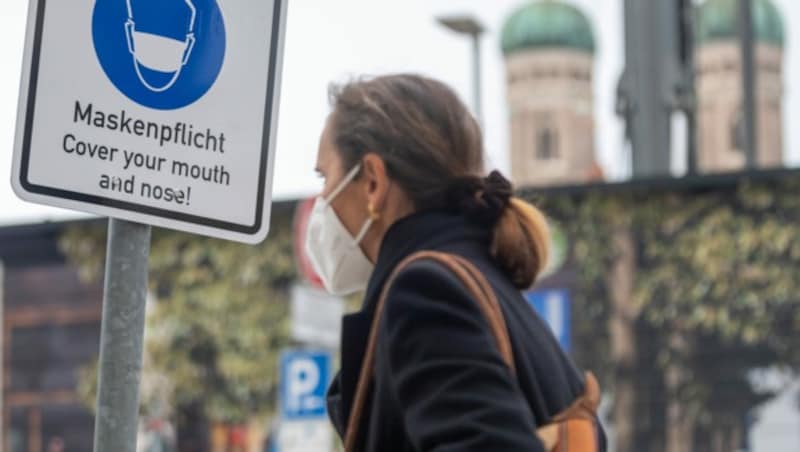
x=547, y=23
x=718, y=20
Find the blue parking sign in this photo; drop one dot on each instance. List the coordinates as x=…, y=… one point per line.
x=554, y=307
x=304, y=379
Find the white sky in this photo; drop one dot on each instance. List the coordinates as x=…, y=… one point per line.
x=334, y=40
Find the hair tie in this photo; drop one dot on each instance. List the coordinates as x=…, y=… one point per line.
x=482, y=200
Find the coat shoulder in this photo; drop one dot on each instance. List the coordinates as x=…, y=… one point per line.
x=423, y=282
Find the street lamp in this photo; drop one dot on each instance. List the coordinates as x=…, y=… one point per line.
x=470, y=26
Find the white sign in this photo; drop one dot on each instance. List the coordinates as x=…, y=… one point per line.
x=316, y=316
x=305, y=436
x=156, y=111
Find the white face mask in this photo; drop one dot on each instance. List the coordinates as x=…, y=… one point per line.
x=159, y=53
x=335, y=254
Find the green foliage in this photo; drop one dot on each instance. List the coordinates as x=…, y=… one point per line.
x=720, y=263
x=220, y=317
x=588, y=223
x=718, y=268
x=87, y=385
x=726, y=265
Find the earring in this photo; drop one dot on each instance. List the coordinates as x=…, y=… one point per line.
x=373, y=214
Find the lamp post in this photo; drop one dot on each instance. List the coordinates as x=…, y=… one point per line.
x=470, y=26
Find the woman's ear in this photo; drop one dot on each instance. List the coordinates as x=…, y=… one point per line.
x=376, y=182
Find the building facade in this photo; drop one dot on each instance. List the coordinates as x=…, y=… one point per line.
x=721, y=142
x=549, y=51
x=51, y=331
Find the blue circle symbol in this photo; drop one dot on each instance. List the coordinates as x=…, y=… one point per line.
x=162, y=54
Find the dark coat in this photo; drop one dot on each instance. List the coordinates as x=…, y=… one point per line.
x=440, y=383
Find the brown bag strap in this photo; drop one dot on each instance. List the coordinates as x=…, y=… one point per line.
x=479, y=289
x=585, y=407
x=489, y=306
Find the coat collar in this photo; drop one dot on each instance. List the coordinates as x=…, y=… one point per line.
x=420, y=231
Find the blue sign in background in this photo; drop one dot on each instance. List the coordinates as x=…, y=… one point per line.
x=123, y=32
x=554, y=307
x=304, y=380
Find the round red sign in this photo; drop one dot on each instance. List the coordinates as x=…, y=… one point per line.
x=304, y=267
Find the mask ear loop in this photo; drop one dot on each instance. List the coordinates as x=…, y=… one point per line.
x=190, y=42
x=363, y=232
x=130, y=26
x=347, y=179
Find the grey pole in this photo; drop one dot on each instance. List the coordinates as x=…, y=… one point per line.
x=470, y=26
x=476, y=76
x=2, y=347
x=748, y=81
x=121, y=338
x=688, y=89
x=651, y=75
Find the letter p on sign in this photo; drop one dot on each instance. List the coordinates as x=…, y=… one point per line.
x=305, y=376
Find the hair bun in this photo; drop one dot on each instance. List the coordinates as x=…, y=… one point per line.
x=482, y=200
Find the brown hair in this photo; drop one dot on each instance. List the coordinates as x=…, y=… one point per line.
x=432, y=148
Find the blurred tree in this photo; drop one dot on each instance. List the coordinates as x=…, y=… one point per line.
x=717, y=270
x=604, y=255
x=722, y=275
x=219, y=318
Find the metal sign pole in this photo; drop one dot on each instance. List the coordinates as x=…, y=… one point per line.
x=122, y=334
x=3, y=419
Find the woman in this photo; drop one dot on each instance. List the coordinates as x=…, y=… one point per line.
x=402, y=160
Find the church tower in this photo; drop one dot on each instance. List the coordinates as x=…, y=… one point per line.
x=721, y=139
x=549, y=52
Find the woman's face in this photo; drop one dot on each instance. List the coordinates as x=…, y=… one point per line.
x=372, y=194
x=351, y=204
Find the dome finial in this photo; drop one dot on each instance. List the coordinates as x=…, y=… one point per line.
x=547, y=23
x=718, y=21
